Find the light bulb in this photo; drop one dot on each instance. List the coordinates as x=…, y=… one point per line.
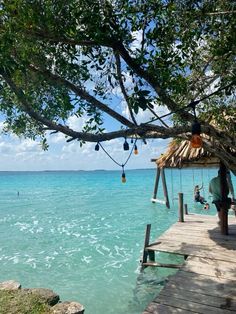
x=123, y=178
x=196, y=141
x=126, y=145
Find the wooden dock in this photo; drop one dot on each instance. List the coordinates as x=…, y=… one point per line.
x=206, y=282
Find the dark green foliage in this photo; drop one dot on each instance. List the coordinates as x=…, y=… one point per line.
x=71, y=57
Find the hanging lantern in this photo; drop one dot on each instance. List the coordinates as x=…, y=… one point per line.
x=123, y=178
x=135, y=150
x=196, y=140
x=97, y=147
x=126, y=145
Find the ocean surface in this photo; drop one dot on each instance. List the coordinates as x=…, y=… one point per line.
x=81, y=234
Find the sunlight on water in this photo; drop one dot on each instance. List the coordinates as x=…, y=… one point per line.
x=81, y=233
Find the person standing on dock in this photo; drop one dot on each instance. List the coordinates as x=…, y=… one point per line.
x=215, y=190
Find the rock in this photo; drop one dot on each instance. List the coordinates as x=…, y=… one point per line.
x=10, y=285
x=68, y=308
x=46, y=295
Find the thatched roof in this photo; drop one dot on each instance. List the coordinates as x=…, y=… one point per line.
x=180, y=154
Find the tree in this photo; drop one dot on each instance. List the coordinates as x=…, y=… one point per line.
x=76, y=58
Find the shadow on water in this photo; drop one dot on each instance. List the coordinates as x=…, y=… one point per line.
x=151, y=280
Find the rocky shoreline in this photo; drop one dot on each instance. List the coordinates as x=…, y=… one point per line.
x=45, y=296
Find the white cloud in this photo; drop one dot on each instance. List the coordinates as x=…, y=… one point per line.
x=27, y=155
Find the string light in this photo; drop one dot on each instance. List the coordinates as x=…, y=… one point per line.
x=196, y=140
x=126, y=145
x=123, y=178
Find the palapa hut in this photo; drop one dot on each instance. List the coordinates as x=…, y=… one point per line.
x=180, y=154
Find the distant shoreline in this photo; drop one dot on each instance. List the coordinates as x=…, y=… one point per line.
x=96, y=170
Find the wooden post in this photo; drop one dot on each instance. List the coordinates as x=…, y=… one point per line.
x=163, y=177
x=156, y=183
x=224, y=195
x=186, y=209
x=146, y=243
x=181, y=207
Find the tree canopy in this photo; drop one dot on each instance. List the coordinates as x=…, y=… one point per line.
x=100, y=59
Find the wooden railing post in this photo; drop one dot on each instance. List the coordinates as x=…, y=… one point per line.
x=181, y=207
x=186, y=209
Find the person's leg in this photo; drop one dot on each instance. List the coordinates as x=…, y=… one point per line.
x=218, y=210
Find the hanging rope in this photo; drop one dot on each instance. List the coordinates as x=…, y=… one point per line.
x=193, y=177
x=203, y=189
x=193, y=183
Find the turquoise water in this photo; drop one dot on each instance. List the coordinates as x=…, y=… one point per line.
x=81, y=233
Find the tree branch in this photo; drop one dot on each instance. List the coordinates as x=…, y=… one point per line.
x=118, y=67
x=139, y=131
x=83, y=94
x=45, y=36
x=142, y=131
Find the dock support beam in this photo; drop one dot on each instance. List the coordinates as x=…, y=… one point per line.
x=146, y=253
x=156, y=183
x=163, y=177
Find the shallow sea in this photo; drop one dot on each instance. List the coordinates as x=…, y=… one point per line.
x=81, y=233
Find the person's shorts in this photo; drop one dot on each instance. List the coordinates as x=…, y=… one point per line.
x=218, y=204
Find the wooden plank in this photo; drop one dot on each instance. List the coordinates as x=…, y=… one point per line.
x=191, y=306
x=155, y=264
x=202, y=298
x=187, y=231
x=210, y=267
x=207, y=217
x=195, y=250
x=156, y=308
x=199, y=241
x=199, y=283
x=212, y=228
x=194, y=239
